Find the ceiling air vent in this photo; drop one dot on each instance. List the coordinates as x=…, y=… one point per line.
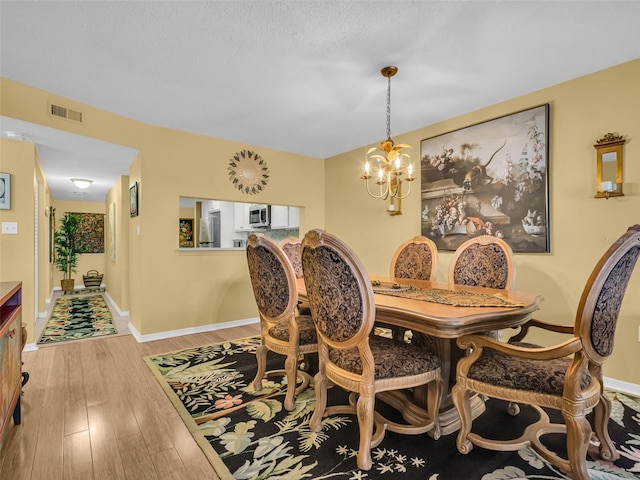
x=66, y=113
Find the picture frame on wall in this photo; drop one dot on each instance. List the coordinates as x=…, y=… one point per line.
x=5, y=191
x=185, y=234
x=490, y=178
x=133, y=200
x=112, y=231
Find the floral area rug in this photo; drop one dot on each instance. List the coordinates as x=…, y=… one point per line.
x=76, y=317
x=247, y=434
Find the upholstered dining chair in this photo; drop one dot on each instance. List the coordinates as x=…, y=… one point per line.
x=291, y=247
x=416, y=259
x=566, y=377
x=343, y=309
x=483, y=261
x=282, y=330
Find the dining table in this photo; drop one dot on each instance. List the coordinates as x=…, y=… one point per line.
x=437, y=314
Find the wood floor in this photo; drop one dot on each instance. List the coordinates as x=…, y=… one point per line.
x=92, y=410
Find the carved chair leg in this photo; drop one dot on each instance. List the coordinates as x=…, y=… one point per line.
x=261, y=358
x=320, y=386
x=462, y=401
x=578, y=437
x=365, y=409
x=602, y=412
x=291, y=369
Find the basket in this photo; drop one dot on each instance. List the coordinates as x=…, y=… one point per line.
x=92, y=279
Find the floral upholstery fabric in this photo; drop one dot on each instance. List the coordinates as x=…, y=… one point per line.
x=269, y=281
x=605, y=315
x=292, y=251
x=414, y=261
x=482, y=266
x=392, y=358
x=306, y=330
x=336, y=301
x=543, y=376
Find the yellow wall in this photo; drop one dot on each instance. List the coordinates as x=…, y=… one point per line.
x=167, y=289
x=581, y=227
x=117, y=272
x=17, y=252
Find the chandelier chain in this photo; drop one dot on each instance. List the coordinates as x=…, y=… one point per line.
x=389, y=107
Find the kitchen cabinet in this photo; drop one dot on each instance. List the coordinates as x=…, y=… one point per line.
x=10, y=355
x=279, y=216
x=241, y=217
x=284, y=217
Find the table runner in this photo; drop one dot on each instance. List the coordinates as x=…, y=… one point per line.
x=457, y=298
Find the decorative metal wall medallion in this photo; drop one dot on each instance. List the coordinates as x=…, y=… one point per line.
x=248, y=172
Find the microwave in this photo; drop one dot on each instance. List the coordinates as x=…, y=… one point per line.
x=259, y=215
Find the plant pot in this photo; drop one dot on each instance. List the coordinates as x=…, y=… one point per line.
x=67, y=285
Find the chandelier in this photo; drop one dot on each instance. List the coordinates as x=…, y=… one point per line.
x=392, y=162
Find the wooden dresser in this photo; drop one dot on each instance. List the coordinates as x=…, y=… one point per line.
x=10, y=355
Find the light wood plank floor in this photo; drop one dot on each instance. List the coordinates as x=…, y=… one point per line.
x=92, y=410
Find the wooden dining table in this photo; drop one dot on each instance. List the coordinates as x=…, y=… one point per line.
x=441, y=324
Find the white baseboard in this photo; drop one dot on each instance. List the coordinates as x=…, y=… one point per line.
x=188, y=331
x=30, y=347
x=620, y=386
x=113, y=304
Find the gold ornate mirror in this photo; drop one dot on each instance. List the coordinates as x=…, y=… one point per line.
x=609, y=166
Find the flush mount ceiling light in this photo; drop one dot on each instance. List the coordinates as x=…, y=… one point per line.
x=392, y=161
x=81, y=182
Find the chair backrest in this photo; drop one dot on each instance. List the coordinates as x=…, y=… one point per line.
x=483, y=261
x=416, y=258
x=291, y=247
x=601, y=299
x=272, y=278
x=339, y=291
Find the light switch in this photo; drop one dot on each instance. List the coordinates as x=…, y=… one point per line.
x=9, y=228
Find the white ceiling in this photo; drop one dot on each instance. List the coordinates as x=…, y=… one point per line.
x=299, y=76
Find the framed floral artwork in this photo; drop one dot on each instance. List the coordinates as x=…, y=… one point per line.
x=489, y=179
x=186, y=233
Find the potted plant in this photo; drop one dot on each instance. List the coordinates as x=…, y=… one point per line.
x=66, y=257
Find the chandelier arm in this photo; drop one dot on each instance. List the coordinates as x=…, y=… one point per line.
x=383, y=195
x=402, y=197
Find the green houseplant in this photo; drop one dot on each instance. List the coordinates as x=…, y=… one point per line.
x=66, y=257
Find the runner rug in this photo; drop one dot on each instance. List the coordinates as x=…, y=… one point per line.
x=76, y=317
x=249, y=435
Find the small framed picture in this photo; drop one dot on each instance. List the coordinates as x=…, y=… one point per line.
x=5, y=191
x=133, y=200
